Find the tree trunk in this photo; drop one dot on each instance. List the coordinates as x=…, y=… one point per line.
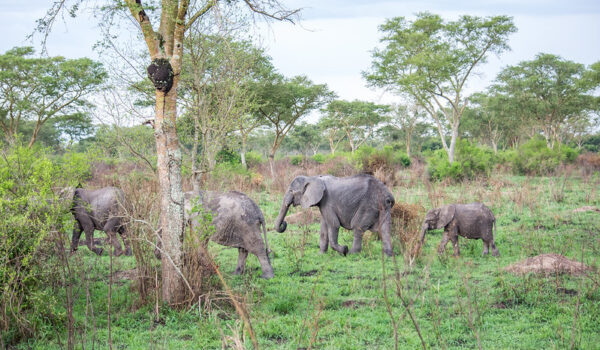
x=272, y=164
x=452, y=144
x=243, y=152
x=171, y=193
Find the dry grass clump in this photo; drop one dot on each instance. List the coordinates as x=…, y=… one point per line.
x=589, y=162
x=304, y=217
x=548, y=264
x=406, y=223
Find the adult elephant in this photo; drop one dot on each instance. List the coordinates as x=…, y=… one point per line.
x=238, y=223
x=358, y=203
x=101, y=210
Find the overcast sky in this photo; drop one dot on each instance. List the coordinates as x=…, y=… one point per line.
x=332, y=42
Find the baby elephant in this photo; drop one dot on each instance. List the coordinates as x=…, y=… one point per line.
x=238, y=222
x=473, y=220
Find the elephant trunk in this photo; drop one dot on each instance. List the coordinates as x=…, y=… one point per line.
x=280, y=224
x=424, y=228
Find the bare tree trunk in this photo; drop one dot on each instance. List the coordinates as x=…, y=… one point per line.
x=243, y=151
x=272, y=164
x=169, y=176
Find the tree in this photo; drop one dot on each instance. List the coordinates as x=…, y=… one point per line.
x=431, y=61
x=217, y=92
x=356, y=119
x=332, y=131
x=165, y=44
x=406, y=119
x=37, y=90
x=305, y=137
x=284, y=101
x=554, y=93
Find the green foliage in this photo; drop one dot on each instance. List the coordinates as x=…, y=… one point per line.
x=34, y=217
x=368, y=158
x=227, y=155
x=535, y=158
x=253, y=159
x=470, y=162
x=297, y=159
x=319, y=158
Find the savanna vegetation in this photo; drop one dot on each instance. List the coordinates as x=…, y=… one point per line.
x=198, y=105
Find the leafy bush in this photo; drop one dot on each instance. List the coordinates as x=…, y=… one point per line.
x=297, y=159
x=535, y=158
x=34, y=219
x=470, y=161
x=253, y=159
x=319, y=158
x=370, y=159
x=228, y=156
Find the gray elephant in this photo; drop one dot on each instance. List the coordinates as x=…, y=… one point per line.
x=357, y=203
x=102, y=210
x=238, y=222
x=473, y=220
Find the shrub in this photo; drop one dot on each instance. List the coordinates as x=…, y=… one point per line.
x=535, y=158
x=32, y=224
x=470, y=162
x=297, y=159
x=228, y=156
x=319, y=158
x=253, y=159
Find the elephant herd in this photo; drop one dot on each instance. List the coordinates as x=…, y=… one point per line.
x=358, y=203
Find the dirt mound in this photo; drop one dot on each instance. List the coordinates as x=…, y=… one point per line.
x=304, y=217
x=548, y=264
x=586, y=208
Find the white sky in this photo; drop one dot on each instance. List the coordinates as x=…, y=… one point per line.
x=332, y=43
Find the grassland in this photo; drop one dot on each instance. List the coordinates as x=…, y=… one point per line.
x=365, y=301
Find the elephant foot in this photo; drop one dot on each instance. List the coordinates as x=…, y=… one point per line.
x=354, y=251
x=267, y=275
x=388, y=252
x=344, y=251
x=496, y=253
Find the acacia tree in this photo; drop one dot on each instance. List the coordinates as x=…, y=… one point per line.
x=165, y=43
x=431, y=60
x=356, y=119
x=333, y=131
x=553, y=91
x=38, y=90
x=284, y=101
x=406, y=118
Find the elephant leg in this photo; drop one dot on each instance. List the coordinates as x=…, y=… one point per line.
x=88, y=227
x=77, y=229
x=111, y=228
x=333, y=240
x=265, y=264
x=486, y=247
x=454, y=239
x=495, y=251
x=323, y=239
x=357, y=243
x=126, y=242
x=242, y=255
x=445, y=239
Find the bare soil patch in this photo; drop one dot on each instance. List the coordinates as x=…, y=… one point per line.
x=548, y=264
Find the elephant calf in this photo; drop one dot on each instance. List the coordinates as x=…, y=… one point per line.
x=238, y=222
x=99, y=210
x=473, y=220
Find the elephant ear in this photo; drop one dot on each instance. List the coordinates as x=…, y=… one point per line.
x=446, y=215
x=313, y=193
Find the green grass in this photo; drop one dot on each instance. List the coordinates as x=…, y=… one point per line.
x=338, y=302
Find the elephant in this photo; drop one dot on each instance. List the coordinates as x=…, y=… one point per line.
x=238, y=222
x=357, y=203
x=101, y=210
x=473, y=221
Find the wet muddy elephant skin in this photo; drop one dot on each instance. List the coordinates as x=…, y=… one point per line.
x=100, y=210
x=473, y=221
x=358, y=203
x=238, y=223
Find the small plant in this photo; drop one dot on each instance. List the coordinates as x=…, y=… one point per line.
x=470, y=162
x=297, y=159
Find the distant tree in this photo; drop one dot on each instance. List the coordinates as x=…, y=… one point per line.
x=431, y=61
x=333, y=131
x=407, y=119
x=306, y=138
x=37, y=90
x=357, y=119
x=284, y=101
x=554, y=93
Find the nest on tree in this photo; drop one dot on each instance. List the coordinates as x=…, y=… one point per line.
x=161, y=74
